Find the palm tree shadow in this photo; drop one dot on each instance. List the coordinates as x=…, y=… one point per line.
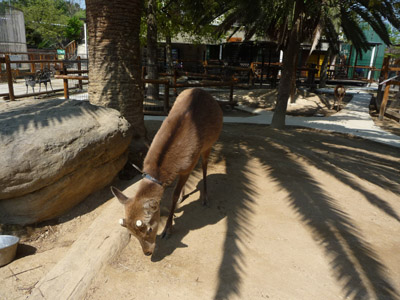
x=236, y=210
x=194, y=216
x=353, y=261
x=40, y=114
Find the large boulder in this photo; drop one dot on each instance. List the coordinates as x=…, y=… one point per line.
x=54, y=153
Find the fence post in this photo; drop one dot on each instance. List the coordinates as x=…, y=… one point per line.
x=9, y=78
x=175, y=78
x=66, y=91
x=166, y=98
x=33, y=67
x=80, y=84
x=383, y=76
x=231, y=93
x=41, y=64
x=384, y=101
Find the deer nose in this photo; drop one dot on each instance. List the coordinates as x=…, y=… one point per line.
x=148, y=253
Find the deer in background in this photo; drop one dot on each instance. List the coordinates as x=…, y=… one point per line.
x=188, y=133
x=339, y=93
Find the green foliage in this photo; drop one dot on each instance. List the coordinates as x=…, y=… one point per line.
x=329, y=18
x=49, y=23
x=182, y=18
x=74, y=29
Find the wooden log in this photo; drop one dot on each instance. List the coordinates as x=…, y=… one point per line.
x=71, y=277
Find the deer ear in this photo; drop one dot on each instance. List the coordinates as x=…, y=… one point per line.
x=151, y=206
x=117, y=193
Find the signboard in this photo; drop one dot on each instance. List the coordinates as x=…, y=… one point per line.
x=60, y=54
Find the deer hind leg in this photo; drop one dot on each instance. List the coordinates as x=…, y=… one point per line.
x=204, y=163
x=181, y=182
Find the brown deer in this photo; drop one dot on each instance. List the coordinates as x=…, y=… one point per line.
x=190, y=130
x=339, y=92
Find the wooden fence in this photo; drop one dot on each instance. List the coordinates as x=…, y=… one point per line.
x=60, y=67
x=385, y=83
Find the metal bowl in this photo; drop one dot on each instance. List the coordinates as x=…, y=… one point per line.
x=8, y=248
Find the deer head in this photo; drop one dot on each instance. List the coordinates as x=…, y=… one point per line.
x=142, y=216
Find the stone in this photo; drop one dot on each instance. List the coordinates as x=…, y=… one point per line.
x=54, y=153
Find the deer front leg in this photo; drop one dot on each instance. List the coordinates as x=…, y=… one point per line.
x=204, y=163
x=181, y=182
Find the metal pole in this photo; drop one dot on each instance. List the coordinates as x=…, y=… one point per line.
x=371, y=63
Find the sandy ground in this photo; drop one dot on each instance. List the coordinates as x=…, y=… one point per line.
x=295, y=214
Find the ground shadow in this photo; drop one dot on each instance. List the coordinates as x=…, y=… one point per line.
x=354, y=263
x=24, y=250
x=194, y=215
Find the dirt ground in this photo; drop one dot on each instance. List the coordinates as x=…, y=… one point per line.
x=294, y=214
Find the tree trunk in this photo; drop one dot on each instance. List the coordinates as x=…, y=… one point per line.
x=114, y=62
x=324, y=69
x=168, y=54
x=286, y=81
x=152, y=70
x=293, y=88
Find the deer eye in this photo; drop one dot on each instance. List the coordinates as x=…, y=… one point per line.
x=139, y=223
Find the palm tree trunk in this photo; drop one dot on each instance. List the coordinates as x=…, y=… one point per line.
x=114, y=61
x=286, y=81
x=152, y=69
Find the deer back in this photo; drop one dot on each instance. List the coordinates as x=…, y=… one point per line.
x=340, y=91
x=192, y=126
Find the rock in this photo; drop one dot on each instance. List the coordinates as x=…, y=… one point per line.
x=54, y=153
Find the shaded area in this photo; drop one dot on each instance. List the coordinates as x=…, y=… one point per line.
x=238, y=216
x=354, y=262
x=19, y=116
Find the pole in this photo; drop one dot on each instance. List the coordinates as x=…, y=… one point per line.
x=371, y=63
x=79, y=69
x=9, y=78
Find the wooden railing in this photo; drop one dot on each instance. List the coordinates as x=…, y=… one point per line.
x=60, y=66
x=384, y=86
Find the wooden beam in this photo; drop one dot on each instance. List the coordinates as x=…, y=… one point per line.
x=65, y=77
x=204, y=84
